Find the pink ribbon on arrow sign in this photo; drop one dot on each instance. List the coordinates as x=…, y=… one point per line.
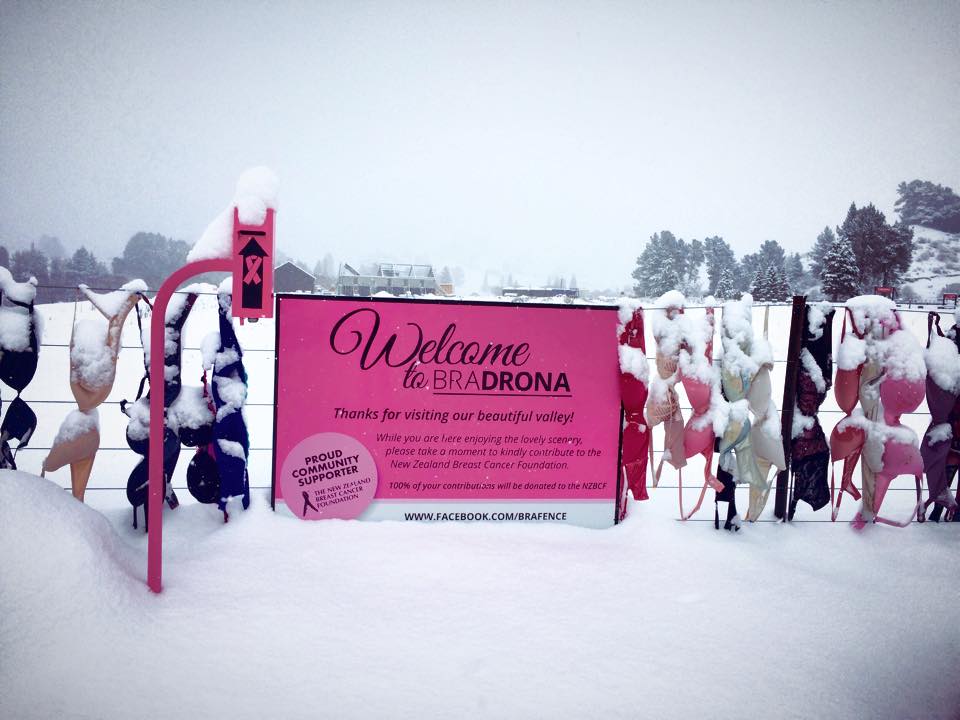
x=253, y=268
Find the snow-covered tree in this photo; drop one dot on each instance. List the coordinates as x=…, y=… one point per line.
x=718, y=256
x=779, y=285
x=666, y=263
x=725, y=289
x=883, y=251
x=922, y=202
x=760, y=287
x=821, y=247
x=27, y=263
x=85, y=264
x=840, y=277
x=796, y=276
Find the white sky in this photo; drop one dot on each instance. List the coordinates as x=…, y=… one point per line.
x=546, y=137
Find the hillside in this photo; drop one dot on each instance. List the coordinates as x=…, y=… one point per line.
x=936, y=262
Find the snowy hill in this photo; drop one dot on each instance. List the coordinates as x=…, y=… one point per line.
x=936, y=262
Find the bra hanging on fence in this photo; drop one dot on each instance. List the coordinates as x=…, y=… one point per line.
x=19, y=354
x=943, y=399
x=201, y=417
x=810, y=452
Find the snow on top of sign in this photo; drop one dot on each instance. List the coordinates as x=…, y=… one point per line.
x=943, y=363
x=256, y=191
x=77, y=423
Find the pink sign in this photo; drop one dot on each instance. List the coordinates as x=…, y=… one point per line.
x=253, y=273
x=469, y=411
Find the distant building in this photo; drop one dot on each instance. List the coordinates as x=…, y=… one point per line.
x=292, y=278
x=540, y=292
x=396, y=279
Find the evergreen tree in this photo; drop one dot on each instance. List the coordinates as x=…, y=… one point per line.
x=151, y=257
x=4, y=257
x=921, y=202
x=772, y=255
x=85, y=264
x=796, y=276
x=725, y=288
x=779, y=285
x=840, y=277
x=718, y=257
x=760, y=288
x=30, y=263
x=666, y=263
x=883, y=252
x=821, y=247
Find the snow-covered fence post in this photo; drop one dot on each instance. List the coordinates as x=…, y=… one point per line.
x=789, y=402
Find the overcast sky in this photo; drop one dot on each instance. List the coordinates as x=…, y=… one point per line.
x=546, y=137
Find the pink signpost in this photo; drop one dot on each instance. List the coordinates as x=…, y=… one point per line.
x=252, y=268
x=446, y=410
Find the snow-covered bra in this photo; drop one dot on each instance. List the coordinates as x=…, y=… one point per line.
x=879, y=366
x=943, y=395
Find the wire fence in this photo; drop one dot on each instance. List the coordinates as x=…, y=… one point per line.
x=264, y=448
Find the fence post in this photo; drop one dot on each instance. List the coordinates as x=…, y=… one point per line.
x=789, y=402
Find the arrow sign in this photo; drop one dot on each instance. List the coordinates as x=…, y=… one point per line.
x=253, y=268
x=251, y=262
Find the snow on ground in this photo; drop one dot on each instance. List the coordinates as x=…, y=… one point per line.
x=270, y=616
x=936, y=262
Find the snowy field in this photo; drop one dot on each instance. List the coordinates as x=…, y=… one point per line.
x=269, y=616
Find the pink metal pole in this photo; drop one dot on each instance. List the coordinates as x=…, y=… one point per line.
x=157, y=420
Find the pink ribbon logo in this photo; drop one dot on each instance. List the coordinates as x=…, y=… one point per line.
x=253, y=270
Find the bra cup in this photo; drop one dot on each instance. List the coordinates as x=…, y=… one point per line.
x=633, y=393
x=845, y=442
x=846, y=388
x=760, y=392
x=766, y=447
x=900, y=459
x=18, y=368
x=698, y=393
x=696, y=441
x=900, y=396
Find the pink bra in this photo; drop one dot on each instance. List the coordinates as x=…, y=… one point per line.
x=633, y=397
x=899, y=454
